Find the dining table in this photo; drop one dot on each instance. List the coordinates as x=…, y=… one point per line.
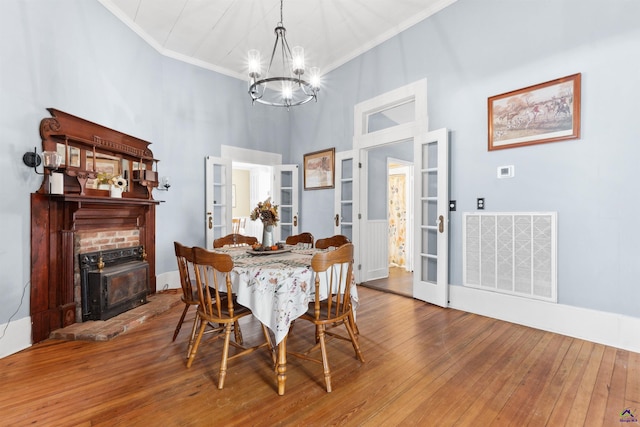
x=277, y=286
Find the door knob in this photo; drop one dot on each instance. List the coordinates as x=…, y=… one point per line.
x=337, y=219
x=295, y=220
x=441, y=224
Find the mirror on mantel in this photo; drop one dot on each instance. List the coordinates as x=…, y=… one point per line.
x=96, y=159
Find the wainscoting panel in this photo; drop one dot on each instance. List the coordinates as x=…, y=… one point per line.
x=376, y=253
x=512, y=253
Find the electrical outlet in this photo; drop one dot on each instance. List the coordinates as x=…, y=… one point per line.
x=480, y=203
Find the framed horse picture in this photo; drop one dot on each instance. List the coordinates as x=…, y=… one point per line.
x=546, y=112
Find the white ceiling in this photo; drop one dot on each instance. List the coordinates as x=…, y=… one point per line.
x=216, y=34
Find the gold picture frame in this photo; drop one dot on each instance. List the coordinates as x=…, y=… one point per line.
x=546, y=112
x=109, y=166
x=319, y=169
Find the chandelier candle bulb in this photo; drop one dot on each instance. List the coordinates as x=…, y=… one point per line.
x=287, y=91
x=254, y=64
x=314, y=77
x=298, y=60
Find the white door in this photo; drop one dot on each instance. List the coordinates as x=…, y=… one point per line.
x=286, y=190
x=344, y=206
x=217, y=198
x=430, y=278
x=343, y=199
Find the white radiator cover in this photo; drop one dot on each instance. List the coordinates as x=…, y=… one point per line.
x=511, y=252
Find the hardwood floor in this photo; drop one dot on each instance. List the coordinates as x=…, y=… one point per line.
x=400, y=281
x=424, y=366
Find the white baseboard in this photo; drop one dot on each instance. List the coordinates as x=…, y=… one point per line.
x=597, y=326
x=169, y=280
x=16, y=336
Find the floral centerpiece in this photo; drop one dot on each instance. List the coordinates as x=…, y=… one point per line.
x=266, y=212
x=116, y=183
x=111, y=180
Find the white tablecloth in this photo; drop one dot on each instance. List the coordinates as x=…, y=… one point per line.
x=277, y=287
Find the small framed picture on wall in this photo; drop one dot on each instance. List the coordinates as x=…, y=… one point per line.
x=319, y=169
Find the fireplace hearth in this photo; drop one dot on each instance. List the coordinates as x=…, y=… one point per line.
x=113, y=281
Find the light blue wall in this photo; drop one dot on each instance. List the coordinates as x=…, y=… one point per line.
x=476, y=49
x=75, y=56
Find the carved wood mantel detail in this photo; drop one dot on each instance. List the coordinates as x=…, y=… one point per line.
x=56, y=219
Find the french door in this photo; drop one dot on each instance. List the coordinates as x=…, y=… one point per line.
x=431, y=218
x=218, y=203
x=401, y=115
x=218, y=200
x=431, y=211
x=344, y=191
x=286, y=190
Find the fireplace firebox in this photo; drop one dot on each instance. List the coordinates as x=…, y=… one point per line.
x=113, y=281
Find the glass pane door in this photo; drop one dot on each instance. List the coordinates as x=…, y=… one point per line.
x=343, y=219
x=286, y=186
x=431, y=280
x=217, y=199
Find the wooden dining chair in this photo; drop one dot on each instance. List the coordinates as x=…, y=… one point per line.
x=334, y=270
x=186, y=270
x=235, y=226
x=234, y=239
x=303, y=239
x=184, y=257
x=218, y=307
x=332, y=242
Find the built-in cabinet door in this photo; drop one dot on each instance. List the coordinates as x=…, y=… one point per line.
x=431, y=157
x=286, y=189
x=218, y=204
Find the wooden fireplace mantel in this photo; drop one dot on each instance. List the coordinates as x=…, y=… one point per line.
x=88, y=148
x=56, y=219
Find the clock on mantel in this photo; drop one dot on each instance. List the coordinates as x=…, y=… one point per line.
x=90, y=151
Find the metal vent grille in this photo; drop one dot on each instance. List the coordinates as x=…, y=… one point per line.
x=512, y=253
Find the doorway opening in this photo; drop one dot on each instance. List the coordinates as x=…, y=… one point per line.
x=251, y=183
x=400, y=219
x=389, y=216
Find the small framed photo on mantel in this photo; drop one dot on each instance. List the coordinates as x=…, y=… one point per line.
x=546, y=112
x=319, y=169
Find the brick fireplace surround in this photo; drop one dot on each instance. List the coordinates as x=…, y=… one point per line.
x=62, y=226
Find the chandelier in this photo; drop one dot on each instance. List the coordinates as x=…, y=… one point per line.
x=282, y=85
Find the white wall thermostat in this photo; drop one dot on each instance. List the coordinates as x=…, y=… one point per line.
x=506, y=171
